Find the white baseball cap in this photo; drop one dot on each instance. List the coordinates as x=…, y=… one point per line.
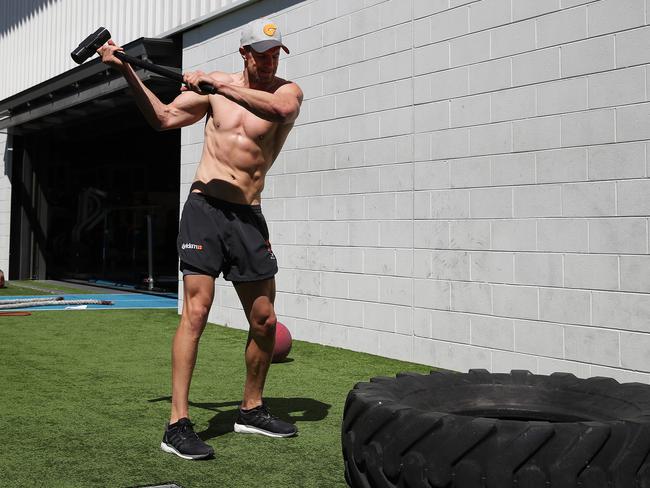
x=262, y=35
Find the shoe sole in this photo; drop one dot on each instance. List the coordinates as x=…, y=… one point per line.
x=171, y=450
x=249, y=429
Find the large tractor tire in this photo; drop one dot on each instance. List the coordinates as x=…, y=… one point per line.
x=483, y=430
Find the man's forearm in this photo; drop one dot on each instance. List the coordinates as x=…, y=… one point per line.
x=263, y=104
x=148, y=103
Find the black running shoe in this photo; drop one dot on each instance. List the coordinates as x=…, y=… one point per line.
x=259, y=420
x=180, y=439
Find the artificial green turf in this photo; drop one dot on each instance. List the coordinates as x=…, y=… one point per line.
x=85, y=395
x=35, y=287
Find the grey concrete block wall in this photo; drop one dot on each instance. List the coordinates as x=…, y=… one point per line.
x=467, y=184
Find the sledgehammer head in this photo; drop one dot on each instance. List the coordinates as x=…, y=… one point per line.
x=90, y=44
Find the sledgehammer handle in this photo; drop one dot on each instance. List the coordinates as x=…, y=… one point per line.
x=154, y=68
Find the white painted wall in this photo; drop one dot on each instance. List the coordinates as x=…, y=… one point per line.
x=37, y=36
x=467, y=184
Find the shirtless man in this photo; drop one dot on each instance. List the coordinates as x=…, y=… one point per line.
x=222, y=229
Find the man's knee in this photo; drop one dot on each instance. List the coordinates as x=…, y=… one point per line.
x=264, y=320
x=196, y=315
x=270, y=322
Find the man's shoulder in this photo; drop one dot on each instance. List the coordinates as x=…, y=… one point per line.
x=222, y=76
x=286, y=84
x=282, y=81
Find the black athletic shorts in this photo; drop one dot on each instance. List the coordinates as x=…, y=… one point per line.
x=216, y=237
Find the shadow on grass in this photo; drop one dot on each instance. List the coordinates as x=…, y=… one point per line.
x=288, y=409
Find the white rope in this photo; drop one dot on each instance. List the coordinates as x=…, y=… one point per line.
x=29, y=300
x=42, y=303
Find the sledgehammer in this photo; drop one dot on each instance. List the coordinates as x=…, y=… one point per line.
x=94, y=41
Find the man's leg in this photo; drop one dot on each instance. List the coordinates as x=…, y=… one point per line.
x=258, y=298
x=198, y=293
x=179, y=437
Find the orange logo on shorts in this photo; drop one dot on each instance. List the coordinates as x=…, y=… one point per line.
x=269, y=29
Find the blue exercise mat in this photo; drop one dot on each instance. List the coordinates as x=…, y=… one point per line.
x=120, y=301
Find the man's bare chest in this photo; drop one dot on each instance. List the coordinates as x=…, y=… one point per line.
x=229, y=117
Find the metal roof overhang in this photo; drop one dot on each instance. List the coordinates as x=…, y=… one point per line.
x=87, y=89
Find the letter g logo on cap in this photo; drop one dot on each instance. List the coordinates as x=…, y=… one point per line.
x=269, y=29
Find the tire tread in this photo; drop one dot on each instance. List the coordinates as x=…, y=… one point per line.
x=389, y=443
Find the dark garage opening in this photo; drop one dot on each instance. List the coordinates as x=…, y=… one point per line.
x=95, y=190
x=101, y=183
